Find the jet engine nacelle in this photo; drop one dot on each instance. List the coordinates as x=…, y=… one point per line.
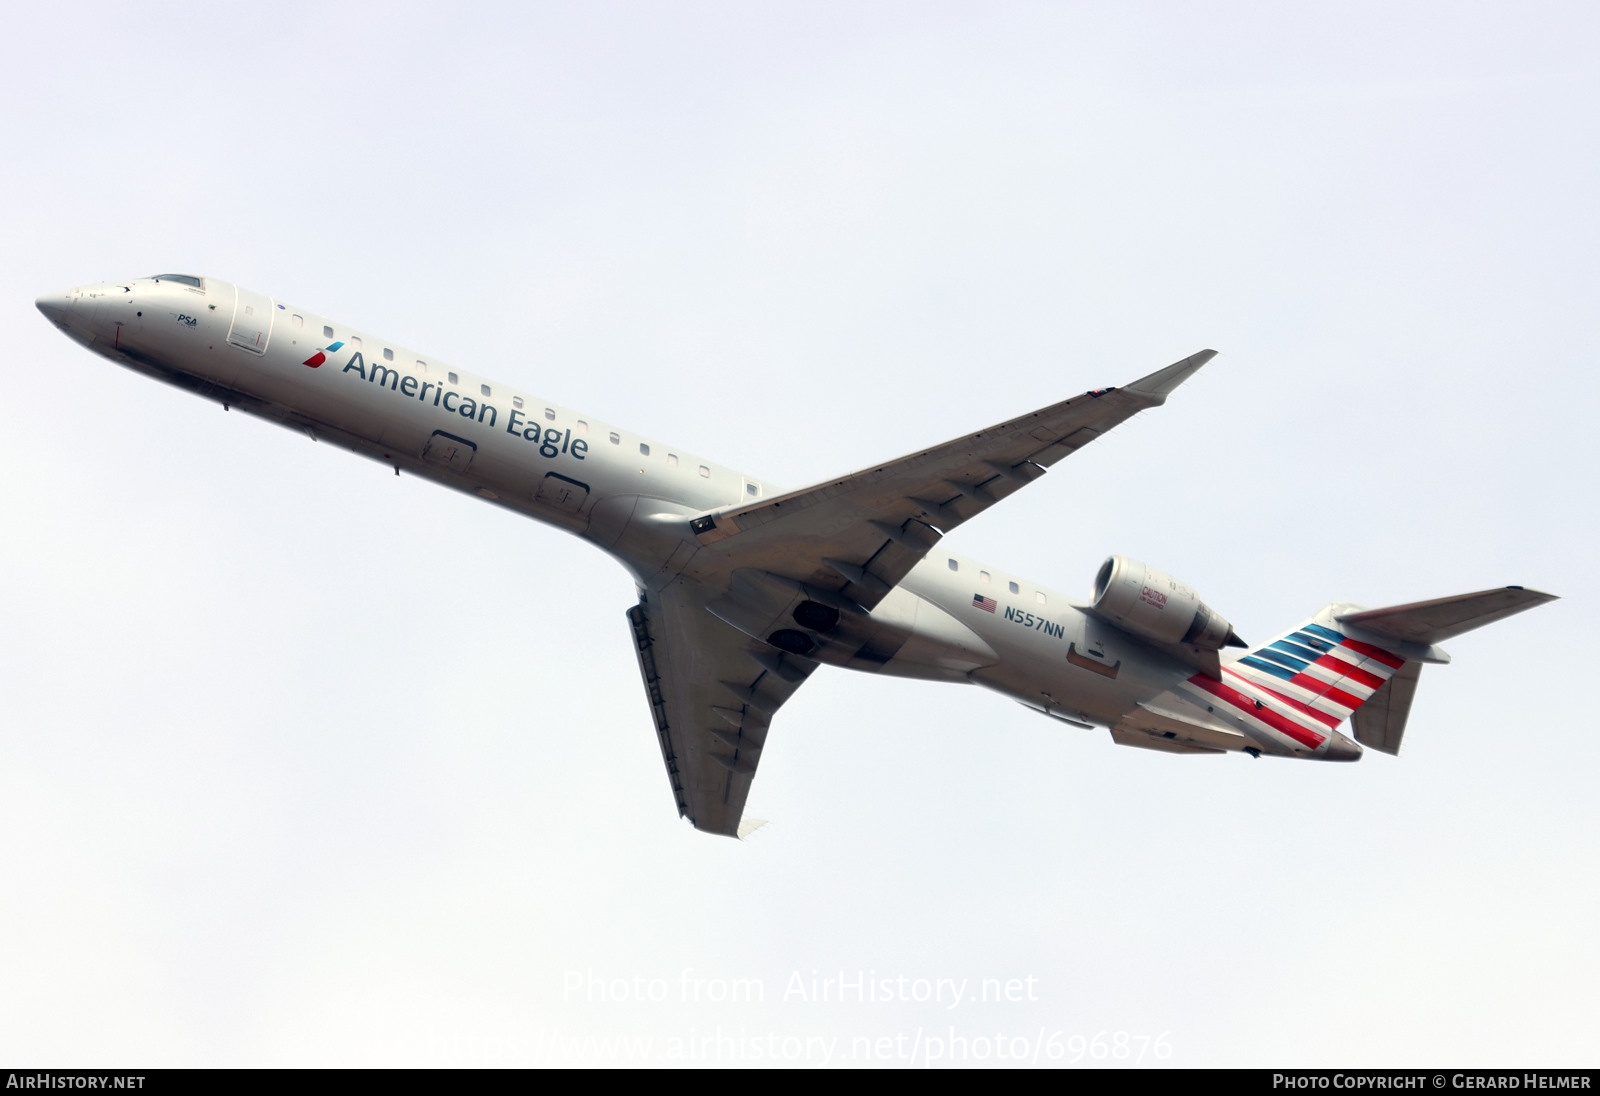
x=1154, y=605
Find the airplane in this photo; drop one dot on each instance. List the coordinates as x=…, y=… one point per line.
x=744, y=589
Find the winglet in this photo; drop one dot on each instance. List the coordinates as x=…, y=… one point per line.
x=1155, y=388
x=749, y=826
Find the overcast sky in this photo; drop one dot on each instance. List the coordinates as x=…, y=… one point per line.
x=304, y=764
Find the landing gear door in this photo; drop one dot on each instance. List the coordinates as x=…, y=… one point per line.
x=252, y=321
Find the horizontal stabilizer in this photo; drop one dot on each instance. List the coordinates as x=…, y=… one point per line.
x=1445, y=617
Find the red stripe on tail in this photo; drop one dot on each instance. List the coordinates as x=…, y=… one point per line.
x=1394, y=662
x=1350, y=670
x=1228, y=695
x=1327, y=718
x=1325, y=691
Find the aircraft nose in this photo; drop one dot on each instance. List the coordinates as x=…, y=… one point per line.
x=55, y=306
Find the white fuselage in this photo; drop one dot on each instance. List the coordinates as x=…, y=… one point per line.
x=631, y=495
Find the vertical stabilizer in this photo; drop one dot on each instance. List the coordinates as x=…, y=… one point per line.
x=1381, y=721
x=1291, y=694
x=1318, y=669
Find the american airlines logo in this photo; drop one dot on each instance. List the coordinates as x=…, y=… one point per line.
x=322, y=355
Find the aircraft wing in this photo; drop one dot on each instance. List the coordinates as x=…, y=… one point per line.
x=860, y=535
x=713, y=691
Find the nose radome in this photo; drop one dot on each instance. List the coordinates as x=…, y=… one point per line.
x=54, y=306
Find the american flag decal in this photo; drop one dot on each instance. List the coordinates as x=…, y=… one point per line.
x=987, y=604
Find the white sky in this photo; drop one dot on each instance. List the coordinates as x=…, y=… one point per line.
x=303, y=764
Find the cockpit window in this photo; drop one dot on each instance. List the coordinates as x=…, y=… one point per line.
x=181, y=279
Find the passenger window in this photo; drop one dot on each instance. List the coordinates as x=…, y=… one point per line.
x=355, y=343
x=615, y=439
x=1038, y=595
x=1013, y=587
x=327, y=332
x=672, y=460
x=549, y=413
x=983, y=577
x=954, y=566
x=516, y=401
x=705, y=473
x=583, y=428
x=484, y=389
x=644, y=450
x=453, y=378
x=752, y=489
x=298, y=321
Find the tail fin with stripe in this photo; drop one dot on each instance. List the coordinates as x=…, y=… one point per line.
x=1359, y=664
